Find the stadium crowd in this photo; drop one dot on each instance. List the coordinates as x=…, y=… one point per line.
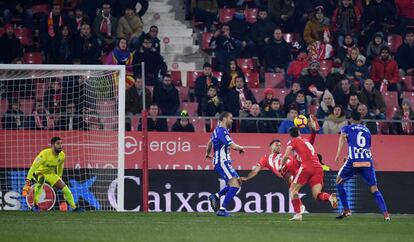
x=273, y=59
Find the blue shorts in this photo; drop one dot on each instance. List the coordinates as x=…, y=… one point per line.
x=225, y=170
x=367, y=173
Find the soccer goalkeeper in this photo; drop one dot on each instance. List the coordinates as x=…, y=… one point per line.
x=48, y=167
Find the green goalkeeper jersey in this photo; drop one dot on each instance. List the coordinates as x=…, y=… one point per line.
x=47, y=162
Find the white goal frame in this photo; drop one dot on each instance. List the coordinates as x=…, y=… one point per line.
x=121, y=111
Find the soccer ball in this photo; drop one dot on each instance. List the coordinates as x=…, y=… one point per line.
x=300, y=121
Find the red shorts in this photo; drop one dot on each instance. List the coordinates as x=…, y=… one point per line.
x=309, y=175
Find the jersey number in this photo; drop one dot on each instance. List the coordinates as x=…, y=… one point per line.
x=361, y=141
x=310, y=147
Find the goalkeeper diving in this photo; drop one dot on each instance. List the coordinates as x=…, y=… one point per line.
x=48, y=167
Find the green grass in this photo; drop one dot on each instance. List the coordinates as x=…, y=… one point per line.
x=194, y=227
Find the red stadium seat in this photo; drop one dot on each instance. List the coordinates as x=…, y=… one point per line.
x=40, y=8
x=226, y=14
x=170, y=123
x=251, y=15
x=246, y=64
x=24, y=35
x=258, y=93
x=191, y=107
x=326, y=67
x=275, y=80
x=391, y=102
x=205, y=40
x=410, y=97
x=26, y=105
x=183, y=93
x=281, y=94
x=218, y=75
x=408, y=83
x=394, y=41
x=252, y=79
x=199, y=124
x=191, y=78
x=176, y=78
x=32, y=58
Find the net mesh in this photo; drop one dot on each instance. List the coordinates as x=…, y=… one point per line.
x=81, y=107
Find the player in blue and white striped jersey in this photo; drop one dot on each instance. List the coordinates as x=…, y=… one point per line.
x=222, y=143
x=359, y=161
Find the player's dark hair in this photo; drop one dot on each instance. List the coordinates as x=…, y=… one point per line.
x=274, y=141
x=54, y=140
x=355, y=116
x=223, y=115
x=320, y=158
x=294, y=132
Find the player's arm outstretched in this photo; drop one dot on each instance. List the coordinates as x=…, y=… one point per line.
x=341, y=142
x=255, y=170
x=237, y=147
x=208, y=150
x=35, y=165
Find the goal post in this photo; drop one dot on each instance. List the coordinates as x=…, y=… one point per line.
x=93, y=136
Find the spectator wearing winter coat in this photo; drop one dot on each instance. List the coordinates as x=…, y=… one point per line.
x=311, y=81
x=13, y=118
x=375, y=45
x=287, y=123
x=154, y=123
x=224, y=47
x=241, y=32
x=405, y=13
x=352, y=105
x=373, y=99
x=315, y=27
x=237, y=96
x=262, y=32
x=345, y=20
x=86, y=46
x=358, y=72
x=130, y=26
x=351, y=57
x=377, y=17
x=228, y=80
x=121, y=56
x=345, y=47
x=335, y=121
x=10, y=47
x=297, y=65
x=275, y=110
x=166, y=96
x=336, y=75
x=61, y=51
x=204, y=11
x=405, y=55
x=202, y=84
x=252, y=126
x=291, y=97
x=212, y=104
x=406, y=115
x=343, y=91
x=269, y=95
x=363, y=111
x=183, y=124
x=384, y=69
x=281, y=13
x=302, y=104
x=326, y=106
x=105, y=27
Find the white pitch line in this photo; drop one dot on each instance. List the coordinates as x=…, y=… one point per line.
x=248, y=147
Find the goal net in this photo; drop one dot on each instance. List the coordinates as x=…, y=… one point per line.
x=81, y=105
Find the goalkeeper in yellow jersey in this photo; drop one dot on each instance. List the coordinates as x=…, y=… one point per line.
x=48, y=167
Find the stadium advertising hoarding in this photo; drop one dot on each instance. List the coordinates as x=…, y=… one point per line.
x=187, y=191
x=185, y=151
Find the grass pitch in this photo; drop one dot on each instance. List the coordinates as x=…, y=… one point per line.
x=194, y=227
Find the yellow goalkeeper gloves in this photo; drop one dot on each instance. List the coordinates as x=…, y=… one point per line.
x=26, y=188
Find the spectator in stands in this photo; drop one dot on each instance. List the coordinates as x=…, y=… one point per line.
x=86, y=46
x=93, y=121
x=343, y=92
x=406, y=115
x=228, y=81
x=121, y=6
x=224, y=47
x=262, y=32
x=377, y=17
x=121, y=56
x=297, y=65
x=61, y=50
x=70, y=120
x=241, y=32
x=236, y=98
x=13, y=118
x=183, y=124
x=16, y=9
x=281, y=12
x=326, y=106
x=373, y=99
x=372, y=126
x=133, y=98
x=201, y=86
x=41, y=119
x=212, y=104
x=153, y=32
x=10, y=47
x=384, y=69
x=352, y=106
x=350, y=57
x=358, y=72
x=287, y=123
x=345, y=47
x=315, y=27
x=311, y=81
x=53, y=96
x=301, y=103
x=154, y=63
x=405, y=55
x=204, y=11
x=405, y=13
x=335, y=121
x=252, y=125
x=22, y=88
x=275, y=111
x=130, y=26
x=166, y=96
x=277, y=56
x=345, y=20
x=105, y=27
x=291, y=97
x=154, y=123
x=375, y=45
x=336, y=75
x=269, y=95
x=79, y=18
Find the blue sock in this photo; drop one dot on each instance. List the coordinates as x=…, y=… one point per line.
x=229, y=196
x=380, y=201
x=342, y=196
x=223, y=191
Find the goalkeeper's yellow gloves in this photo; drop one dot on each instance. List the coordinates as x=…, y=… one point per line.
x=26, y=188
